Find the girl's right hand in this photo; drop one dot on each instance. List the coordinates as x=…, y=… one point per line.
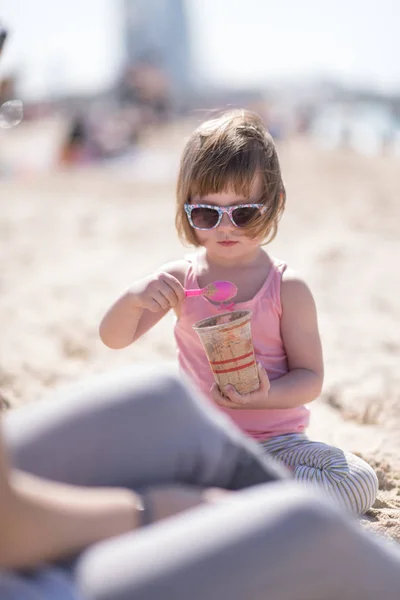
x=161, y=291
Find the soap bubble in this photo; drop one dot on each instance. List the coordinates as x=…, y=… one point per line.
x=11, y=114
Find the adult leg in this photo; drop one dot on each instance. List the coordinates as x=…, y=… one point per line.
x=282, y=543
x=133, y=428
x=346, y=478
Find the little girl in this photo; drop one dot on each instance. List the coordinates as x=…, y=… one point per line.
x=230, y=196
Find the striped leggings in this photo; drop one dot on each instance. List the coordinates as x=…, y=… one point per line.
x=347, y=479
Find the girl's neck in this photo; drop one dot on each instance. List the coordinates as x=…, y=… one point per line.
x=255, y=257
x=249, y=276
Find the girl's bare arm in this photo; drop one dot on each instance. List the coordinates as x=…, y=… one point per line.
x=142, y=305
x=299, y=329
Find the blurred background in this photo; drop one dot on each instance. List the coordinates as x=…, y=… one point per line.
x=100, y=73
x=111, y=90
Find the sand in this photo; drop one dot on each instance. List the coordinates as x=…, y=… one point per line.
x=71, y=241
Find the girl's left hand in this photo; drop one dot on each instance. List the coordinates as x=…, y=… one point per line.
x=232, y=399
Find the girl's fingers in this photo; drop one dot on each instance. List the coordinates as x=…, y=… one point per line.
x=162, y=300
x=215, y=393
x=156, y=301
x=235, y=396
x=175, y=285
x=169, y=293
x=222, y=400
x=152, y=305
x=232, y=399
x=218, y=397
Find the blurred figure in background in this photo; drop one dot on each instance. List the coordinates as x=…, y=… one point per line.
x=145, y=86
x=76, y=149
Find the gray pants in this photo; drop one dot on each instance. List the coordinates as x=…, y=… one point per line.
x=279, y=541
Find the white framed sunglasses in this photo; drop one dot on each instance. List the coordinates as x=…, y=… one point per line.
x=207, y=216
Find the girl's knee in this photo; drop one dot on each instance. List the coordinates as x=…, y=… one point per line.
x=360, y=488
x=348, y=479
x=367, y=485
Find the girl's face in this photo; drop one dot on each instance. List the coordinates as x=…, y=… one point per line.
x=226, y=241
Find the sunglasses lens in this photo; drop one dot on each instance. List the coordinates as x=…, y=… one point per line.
x=204, y=218
x=243, y=216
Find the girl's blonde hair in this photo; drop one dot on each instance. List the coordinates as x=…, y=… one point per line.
x=227, y=153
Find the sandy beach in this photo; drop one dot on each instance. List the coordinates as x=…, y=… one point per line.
x=71, y=241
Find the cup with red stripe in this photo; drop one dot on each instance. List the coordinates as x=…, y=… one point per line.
x=228, y=344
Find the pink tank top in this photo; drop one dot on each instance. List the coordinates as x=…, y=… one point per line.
x=266, y=312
